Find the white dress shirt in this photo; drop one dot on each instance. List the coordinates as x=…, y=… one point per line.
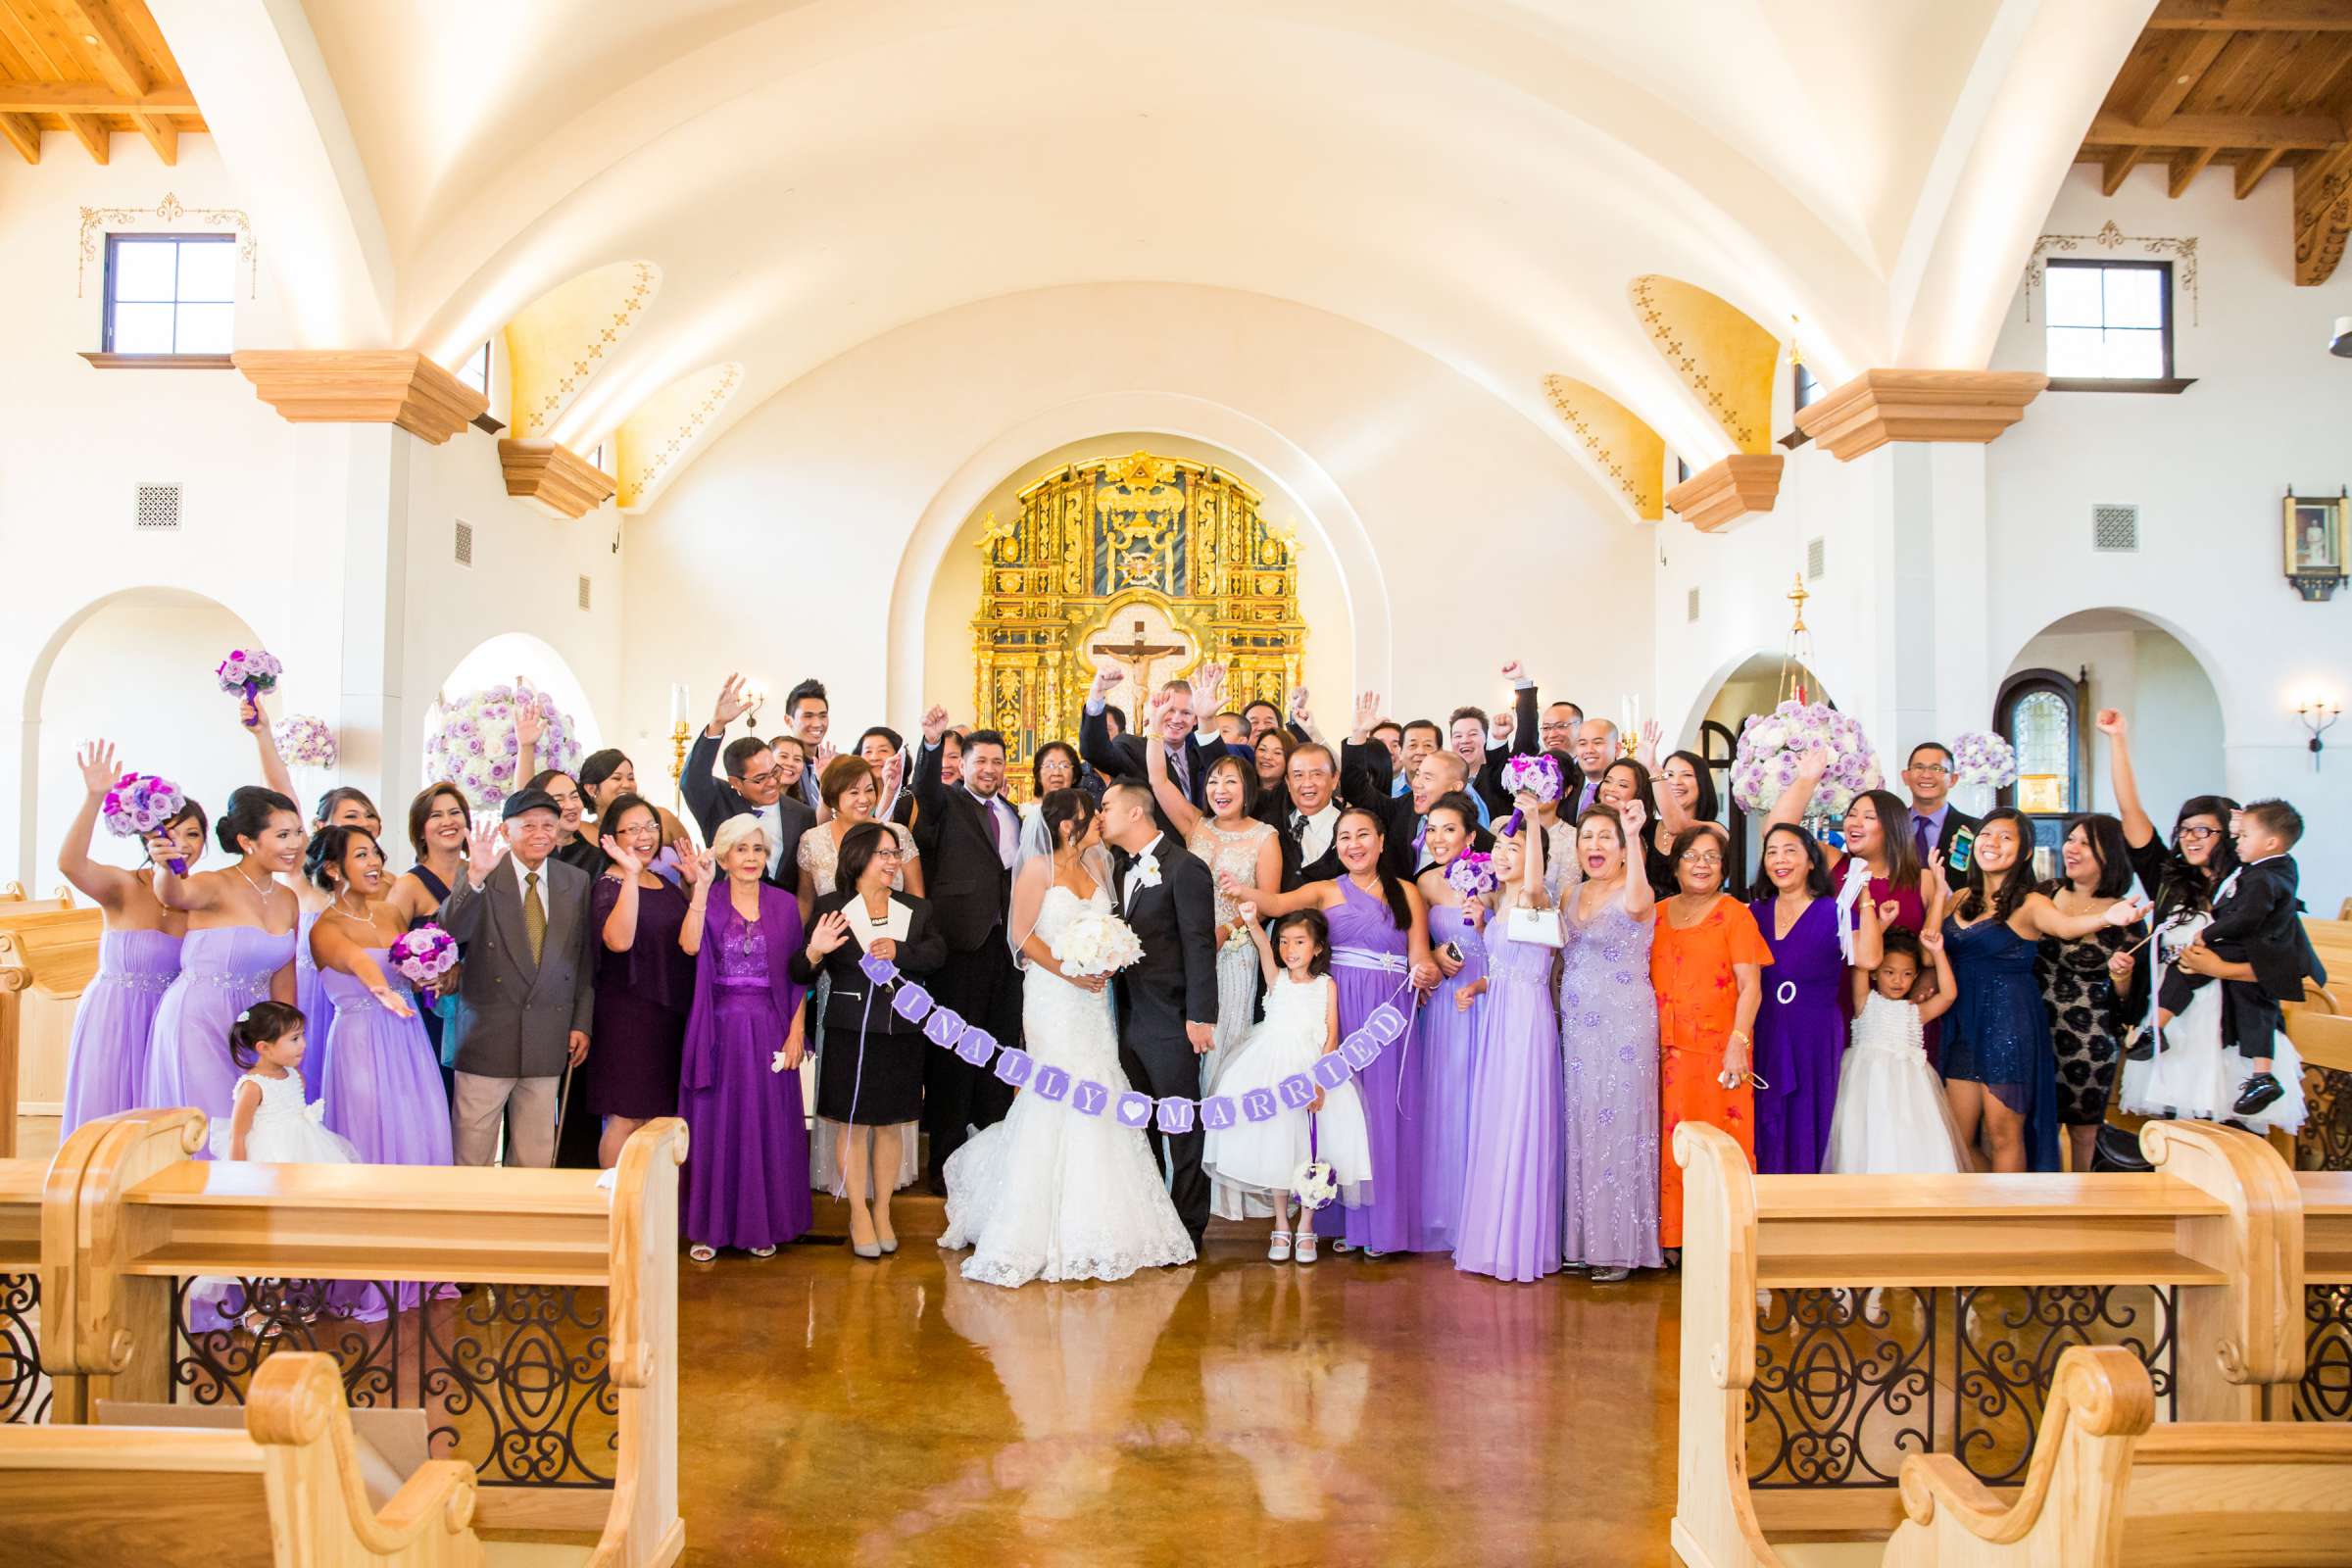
x=1315, y=833
x=1129, y=883
x=770, y=818
x=524, y=889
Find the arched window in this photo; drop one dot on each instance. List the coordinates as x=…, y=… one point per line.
x=2040, y=714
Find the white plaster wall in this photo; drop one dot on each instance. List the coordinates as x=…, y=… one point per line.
x=2207, y=469
x=797, y=544
x=2177, y=748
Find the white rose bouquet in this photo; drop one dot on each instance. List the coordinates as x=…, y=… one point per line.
x=472, y=743
x=1096, y=942
x=1772, y=744
x=1981, y=758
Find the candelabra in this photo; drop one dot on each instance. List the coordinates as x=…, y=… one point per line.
x=2318, y=716
x=677, y=760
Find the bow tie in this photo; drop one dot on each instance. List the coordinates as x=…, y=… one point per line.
x=1121, y=858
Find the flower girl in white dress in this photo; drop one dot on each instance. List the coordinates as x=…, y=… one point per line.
x=268, y=1120
x=1892, y=1116
x=1261, y=1158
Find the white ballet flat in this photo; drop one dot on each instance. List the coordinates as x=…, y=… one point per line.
x=1278, y=1250
x=1307, y=1247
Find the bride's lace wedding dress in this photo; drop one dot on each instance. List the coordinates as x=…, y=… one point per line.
x=1048, y=1194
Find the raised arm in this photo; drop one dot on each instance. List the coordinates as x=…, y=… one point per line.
x=1273, y=903
x=1527, y=732
x=699, y=866
x=1790, y=808
x=1640, y=899
x=618, y=930
x=529, y=727
x=332, y=949
x=1180, y=812
x=2140, y=829
x=1268, y=965
x=107, y=885
x=2047, y=919
x=1096, y=746
x=1302, y=722
x=930, y=791
x=460, y=913
x=264, y=741
x=1947, y=991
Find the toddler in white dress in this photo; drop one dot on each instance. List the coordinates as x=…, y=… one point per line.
x=1892, y=1116
x=268, y=1120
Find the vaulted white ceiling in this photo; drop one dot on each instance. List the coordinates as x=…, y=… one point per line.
x=1477, y=177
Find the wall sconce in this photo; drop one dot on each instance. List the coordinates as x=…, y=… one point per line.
x=2314, y=543
x=2318, y=716
x=755, y=691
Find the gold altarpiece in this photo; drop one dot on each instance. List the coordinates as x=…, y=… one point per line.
x=1149, y=565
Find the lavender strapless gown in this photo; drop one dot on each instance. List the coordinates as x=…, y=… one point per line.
x=1445, y=1057
x=1368, y=959
x=383, y=1081
x=318, y=1012
x=222, y=971
x=1512, y=1198
x=106, y=1066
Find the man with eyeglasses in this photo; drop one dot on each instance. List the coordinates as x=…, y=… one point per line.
x=1934, y=821
x=1551, y=728
x=755, y=787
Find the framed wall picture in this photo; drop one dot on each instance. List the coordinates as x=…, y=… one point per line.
x=2314, y=544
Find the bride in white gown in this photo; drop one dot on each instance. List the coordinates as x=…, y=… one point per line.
x=1048, y=1194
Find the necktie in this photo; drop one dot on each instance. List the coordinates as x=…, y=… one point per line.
x=1919, y=836
x=1420, y=832
x=1181, y=759
x=534, y=914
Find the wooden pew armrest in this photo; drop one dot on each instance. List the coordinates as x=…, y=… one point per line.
x=439, y=1498
x=1939, y=1480
x=295, y=1406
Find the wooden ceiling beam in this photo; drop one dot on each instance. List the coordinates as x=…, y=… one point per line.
x=2186, y=167
x=161, y=135
x=2250, y=15
x=2289, y=132
x=90, y=98
x=2119, y=165
x=20, y=132
x=93, y=21
x=2167, y=94
x=92, y=135
x=2250, y=172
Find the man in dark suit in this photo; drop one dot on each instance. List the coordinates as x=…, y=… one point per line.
x=967, y=835
x=1482, y=760
x=1168, y=998
x=1934, y=821
x=1549, y=727
x=810, y=713
x=1434, y=776
x=755, y=787
x=1122, y=758
x=526, y=997
x=1322, y=786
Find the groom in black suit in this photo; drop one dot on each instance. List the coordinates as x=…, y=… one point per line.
x=1168, y=998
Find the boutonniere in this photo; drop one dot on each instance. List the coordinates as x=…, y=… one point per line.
x=1146, y=870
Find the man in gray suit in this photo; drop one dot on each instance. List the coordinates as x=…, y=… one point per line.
x=528, y=994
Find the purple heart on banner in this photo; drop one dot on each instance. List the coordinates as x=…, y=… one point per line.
x=1014, y=1066
x=1385, y=1023
x=1360, y=1049
x=944, y=1026
x=1331, y=1071
x=976, y=1046
x=1089, y=1097
x=1050, y=1083
x=1259, y=1105
x=1135, y=1110
x=1176, y=1114
x=881, y=971
x=1297, y=1091
x=1219, y=1112
x=911, y=1003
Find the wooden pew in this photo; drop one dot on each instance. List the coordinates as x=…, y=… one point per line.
x=47, y=955
x=126, y=1218
x=1984, y=1276
x=14, y=900
x=284, y=1492
x=2108, y=1487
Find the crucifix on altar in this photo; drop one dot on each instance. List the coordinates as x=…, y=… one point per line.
x=1152, y=638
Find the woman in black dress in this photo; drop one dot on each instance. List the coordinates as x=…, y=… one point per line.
x=870, y=1072
x=2078, y=984
x=644, y=984
x=439, y=824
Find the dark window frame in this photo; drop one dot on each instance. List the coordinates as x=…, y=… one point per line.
x=1804, y=388
x=106, y=337
x=2164, y=312
x=2050, y=827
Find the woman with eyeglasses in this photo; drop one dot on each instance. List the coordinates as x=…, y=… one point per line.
x=643, y=982
x=1706, y=963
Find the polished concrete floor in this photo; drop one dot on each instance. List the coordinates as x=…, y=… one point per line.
x=1232, y=1411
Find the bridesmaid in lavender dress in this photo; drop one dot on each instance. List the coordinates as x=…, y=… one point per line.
x=137, y=958
x=747, y=1165
x=239, y=949
x=1511, y=1214
x=1609, y=1042
x=1449, y=1028
x=383, y=1083
x=1801, y=1027
x=1379, y=952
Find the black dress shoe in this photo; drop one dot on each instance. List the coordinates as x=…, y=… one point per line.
x=2258, y=1094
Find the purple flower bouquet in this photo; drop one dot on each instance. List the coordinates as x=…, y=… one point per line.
x=1538, y=775
x=248, y=672
x=1981, y=758
x=472, y=741
x=139, y=805
x=1771, y=745
x=1472, y=874
x=424, y=954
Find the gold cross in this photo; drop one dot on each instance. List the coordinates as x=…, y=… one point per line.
x=1139, y=653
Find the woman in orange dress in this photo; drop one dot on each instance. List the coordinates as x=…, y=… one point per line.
x=1706, y=964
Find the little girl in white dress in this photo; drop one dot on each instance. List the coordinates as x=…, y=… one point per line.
x=1260, y=1159
x=268, y=1120
x=1892, y=1116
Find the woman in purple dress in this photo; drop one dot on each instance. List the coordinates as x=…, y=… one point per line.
x=1447, y=1030
x=342, y=807
x=138, y=955
x=1801, y=1027
x=643, y=980
x=747, y=1163
x=1379, y=953
x=1510, y=1222
x=1609, y=1043
x=239, y=949
x=381, y=1085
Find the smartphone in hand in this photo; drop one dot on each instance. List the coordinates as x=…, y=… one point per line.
x=1964, y=850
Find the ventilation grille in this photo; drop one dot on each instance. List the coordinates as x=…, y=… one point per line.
x=465, y=544
x=2115, y=527
x=583, y=591
x=158, y=507
x=1694, y=610
x=1817, y=556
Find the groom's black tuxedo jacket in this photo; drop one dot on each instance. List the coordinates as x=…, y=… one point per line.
x=968, y=884
x=1175, y=982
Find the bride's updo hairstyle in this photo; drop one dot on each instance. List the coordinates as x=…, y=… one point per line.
x=1073, y=810
x=250, y=809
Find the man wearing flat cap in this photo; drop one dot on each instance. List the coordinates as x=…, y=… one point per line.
x=528, y=997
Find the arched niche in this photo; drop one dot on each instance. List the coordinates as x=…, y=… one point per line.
x=501, y=661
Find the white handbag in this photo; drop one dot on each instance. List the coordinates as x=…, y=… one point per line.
x=1541, y=926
